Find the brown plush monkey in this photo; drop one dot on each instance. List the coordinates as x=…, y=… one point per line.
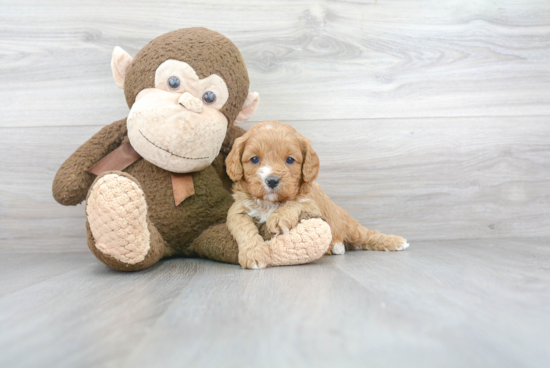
x=155, y=183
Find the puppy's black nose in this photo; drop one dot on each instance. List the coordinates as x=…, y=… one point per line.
x=272, y=181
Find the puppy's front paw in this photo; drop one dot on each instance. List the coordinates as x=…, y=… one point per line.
x=279, y=223
x=310, y=215
x=256, y=257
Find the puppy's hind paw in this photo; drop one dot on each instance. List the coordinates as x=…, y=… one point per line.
x=390, y=243
x=404, y=245
x=338, y=248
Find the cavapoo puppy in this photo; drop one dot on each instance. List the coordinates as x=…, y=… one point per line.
x=274, y=168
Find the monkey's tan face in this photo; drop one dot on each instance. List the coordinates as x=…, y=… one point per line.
x=177, y=125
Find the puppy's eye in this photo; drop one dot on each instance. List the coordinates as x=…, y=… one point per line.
x=255, y=160
x=290, y=160
x=174, y=82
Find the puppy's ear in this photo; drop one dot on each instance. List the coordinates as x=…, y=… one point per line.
x=233, y=163
x=310, y=166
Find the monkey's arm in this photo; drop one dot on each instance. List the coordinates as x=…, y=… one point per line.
x=73, y=180
x=233, y=132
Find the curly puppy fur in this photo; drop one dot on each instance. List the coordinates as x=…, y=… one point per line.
x=274, y=169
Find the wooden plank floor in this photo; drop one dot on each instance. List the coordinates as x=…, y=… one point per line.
x=459, y=303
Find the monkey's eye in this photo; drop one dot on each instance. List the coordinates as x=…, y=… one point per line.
x=209, y=97
x=255, y=160
x=174, y=82
x=290, y=160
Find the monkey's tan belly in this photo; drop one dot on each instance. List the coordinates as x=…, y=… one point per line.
x=180, y=225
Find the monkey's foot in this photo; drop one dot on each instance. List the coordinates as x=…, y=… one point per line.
x=117, y=216
x=308, y=241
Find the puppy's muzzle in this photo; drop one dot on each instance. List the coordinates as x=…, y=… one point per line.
x=272, y=181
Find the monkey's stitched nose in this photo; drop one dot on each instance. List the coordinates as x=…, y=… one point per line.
x=272, y=181
x=190, y=102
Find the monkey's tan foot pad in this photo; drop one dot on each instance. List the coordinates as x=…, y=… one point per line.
x=117, y=213
x=308, y=241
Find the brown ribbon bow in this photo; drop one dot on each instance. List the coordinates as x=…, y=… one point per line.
x=125, y=155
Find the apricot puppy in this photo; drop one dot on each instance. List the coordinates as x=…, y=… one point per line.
x=274, y=169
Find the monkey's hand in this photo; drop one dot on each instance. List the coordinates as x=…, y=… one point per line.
x=73, y=180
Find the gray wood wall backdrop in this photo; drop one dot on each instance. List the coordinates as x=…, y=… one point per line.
x=431, y=117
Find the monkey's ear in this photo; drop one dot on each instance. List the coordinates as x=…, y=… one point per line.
x=119, y=65
x=249, y=107
x=310, y=166
x=233, y=163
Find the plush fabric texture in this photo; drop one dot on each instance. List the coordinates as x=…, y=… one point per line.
x=174, y=227
x=180, y=225
x=120, y=61
x=119, y=159
x=182, y=186
x=72, y=180
x=157, y=251
x=117, y=213
x=208, y=52
x=308, y=241
x=216, y=243
x=172, y=137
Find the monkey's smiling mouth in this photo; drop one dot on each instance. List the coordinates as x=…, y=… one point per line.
x=173, y=154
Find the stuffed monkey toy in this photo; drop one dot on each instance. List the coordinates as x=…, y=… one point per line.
x=155, y=182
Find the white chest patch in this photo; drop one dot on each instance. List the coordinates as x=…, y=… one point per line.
x=261, y=210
